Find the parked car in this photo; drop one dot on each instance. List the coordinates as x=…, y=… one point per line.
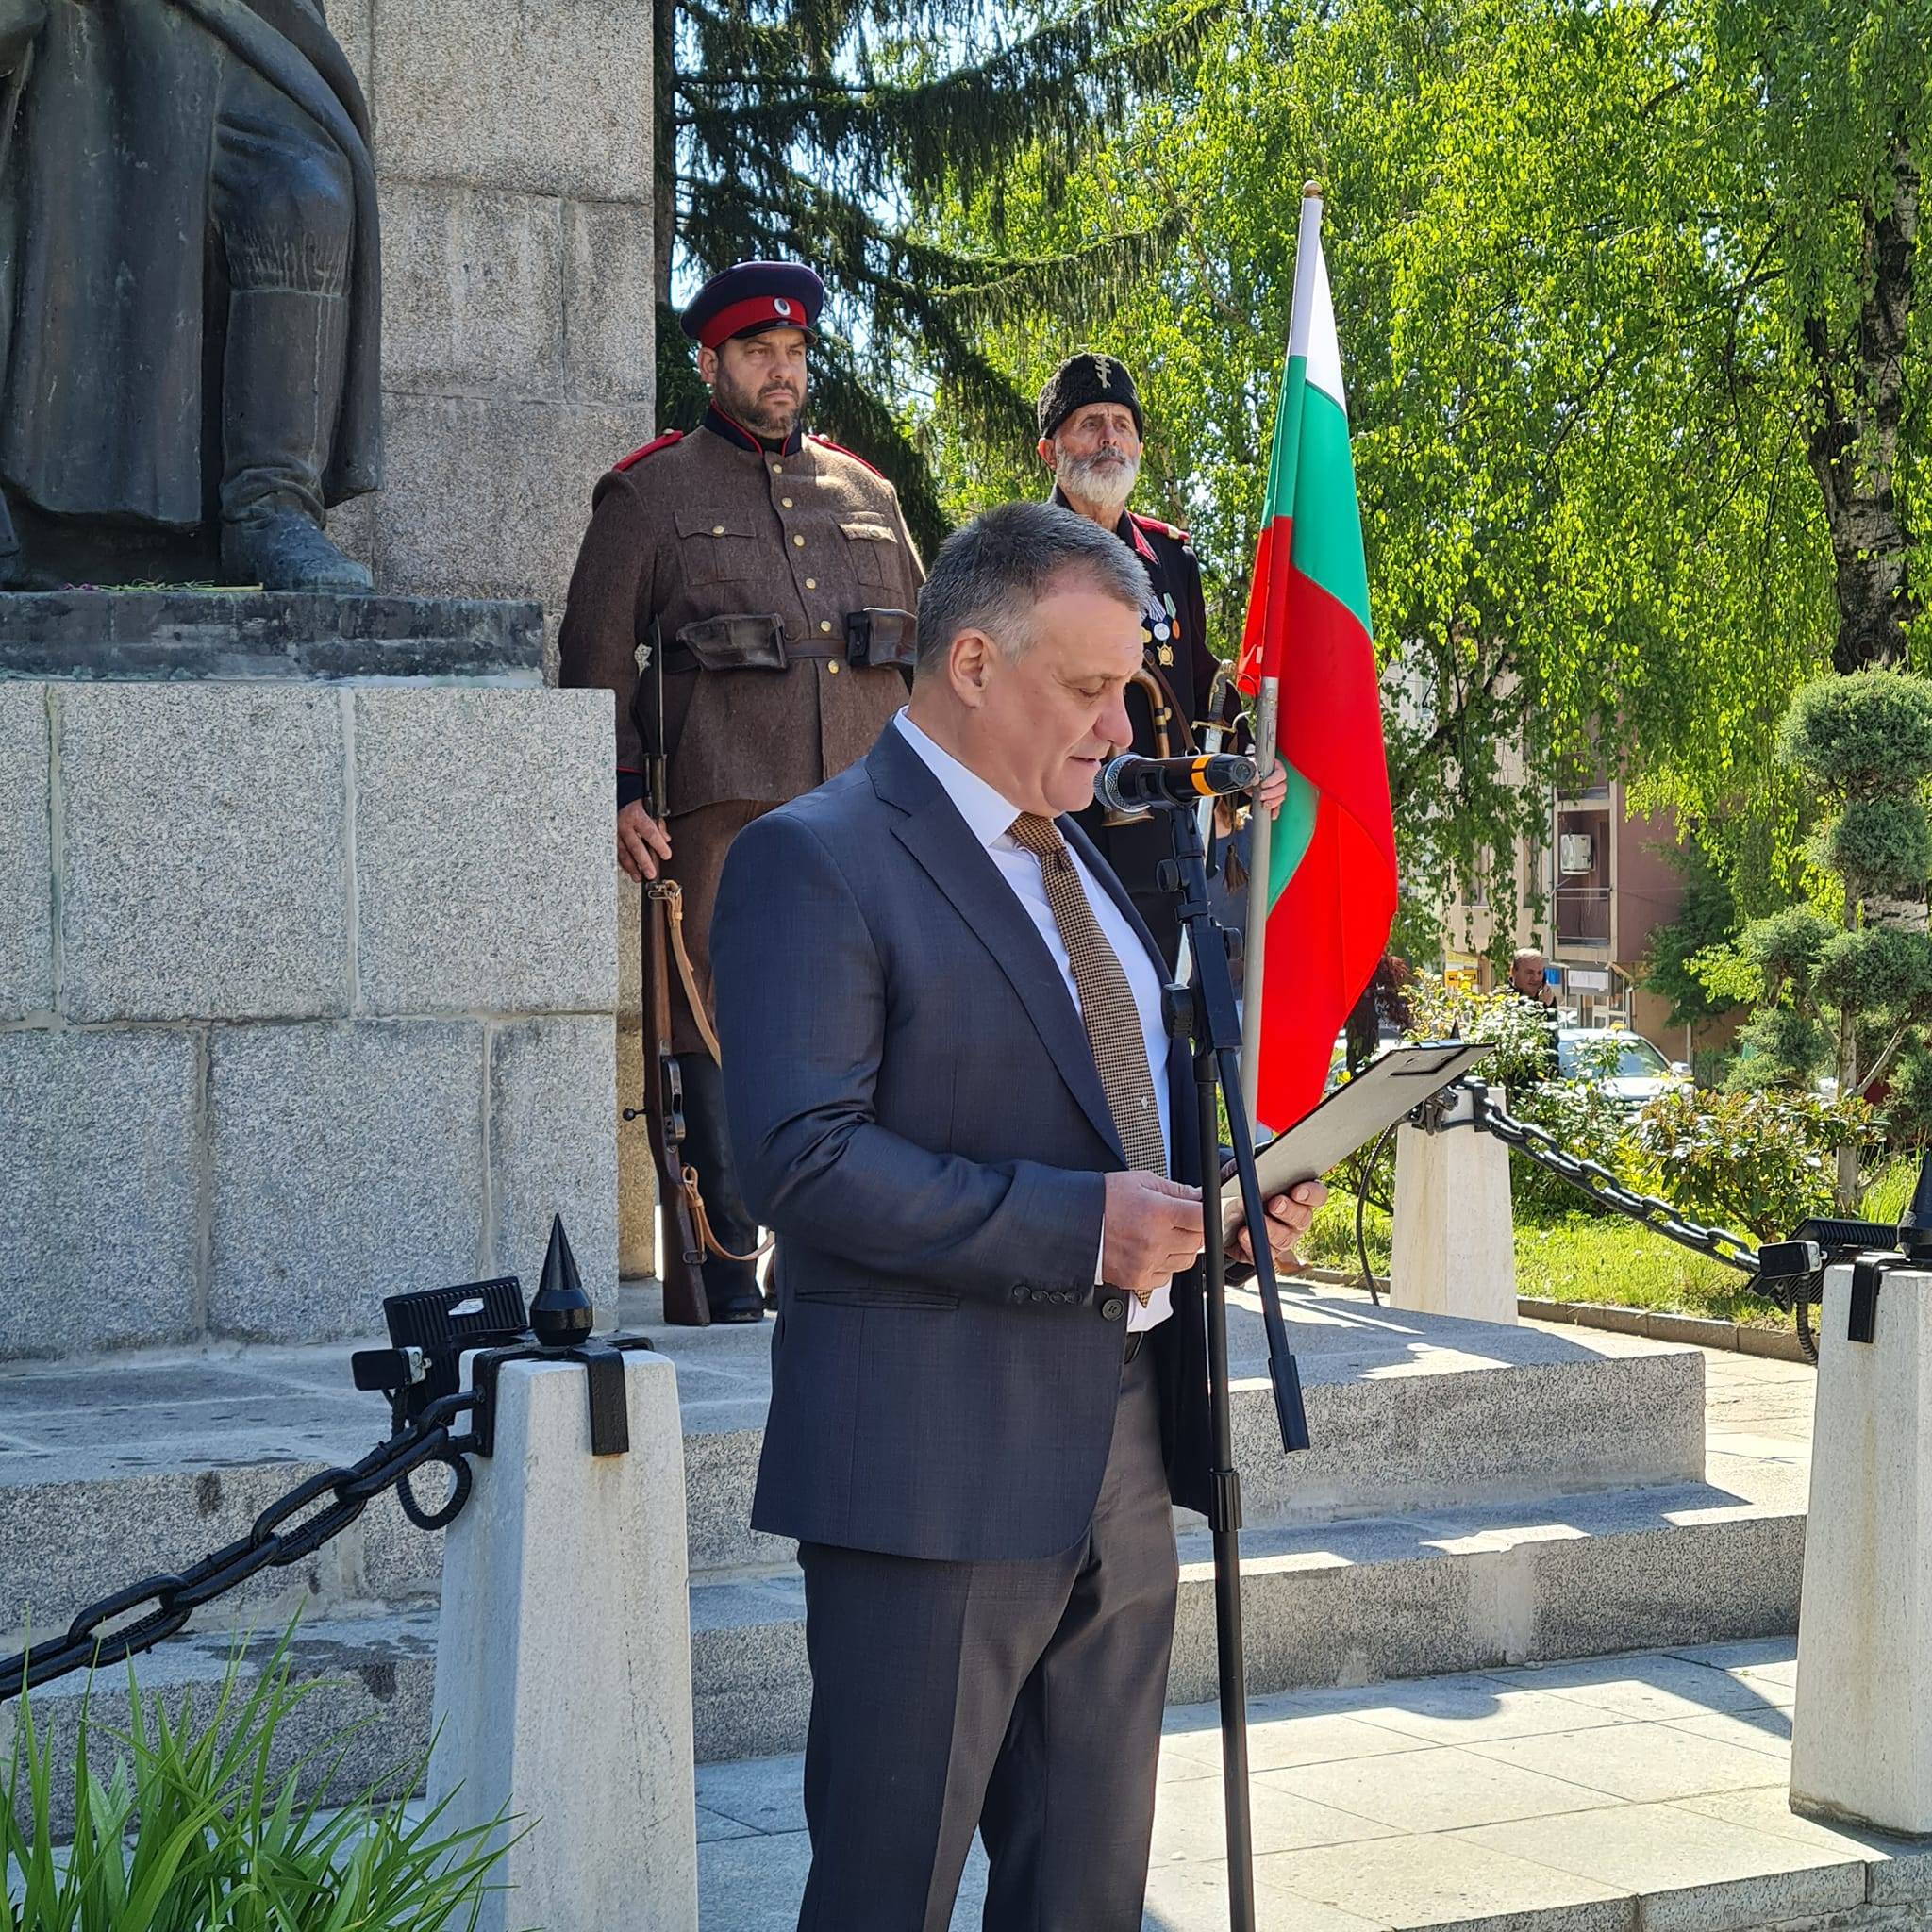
x=1624, y=1064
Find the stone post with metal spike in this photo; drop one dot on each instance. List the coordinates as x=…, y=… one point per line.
x=563, y=1660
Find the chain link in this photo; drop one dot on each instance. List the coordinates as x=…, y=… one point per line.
x=174, y=1597
x=1592, y=1178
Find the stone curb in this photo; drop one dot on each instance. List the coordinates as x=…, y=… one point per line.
x=1775, y=1344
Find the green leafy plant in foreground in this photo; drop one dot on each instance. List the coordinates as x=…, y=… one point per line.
x=192, y=1821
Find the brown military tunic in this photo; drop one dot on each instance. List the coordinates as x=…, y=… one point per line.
x=714, y=525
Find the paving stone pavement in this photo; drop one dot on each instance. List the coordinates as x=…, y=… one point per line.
x=1645, y=1791
x=1637, y=1791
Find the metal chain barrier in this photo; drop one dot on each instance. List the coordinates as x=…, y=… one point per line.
x=172, y=1598
x=1592, y=1178
x=1798, y=1292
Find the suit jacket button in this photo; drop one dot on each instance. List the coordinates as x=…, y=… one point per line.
x=1038, y=1295
x=1112, y=1309
x=1018, y=1290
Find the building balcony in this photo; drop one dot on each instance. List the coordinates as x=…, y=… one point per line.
x=1583, y=915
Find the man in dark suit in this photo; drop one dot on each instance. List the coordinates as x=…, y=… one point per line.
x=951, y=1096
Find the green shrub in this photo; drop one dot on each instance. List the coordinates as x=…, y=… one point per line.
x=1759, y=1162
x=1710, y=1066
x=1876, y=970
x=1781, y=1047
x=1857, y=735
x=1588, y=1122
x=1709, y=918
x=1784, y=946
x=1523, y=1041
x=1880, y=845
x=194, y=1825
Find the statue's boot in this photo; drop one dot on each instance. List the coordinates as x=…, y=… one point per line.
x=284, y=551
x=282, y=389
x=731, y=1288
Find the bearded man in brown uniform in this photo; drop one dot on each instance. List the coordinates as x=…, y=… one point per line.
x=738, y=558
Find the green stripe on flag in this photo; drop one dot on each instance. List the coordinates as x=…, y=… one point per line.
x=1281, y=452
x=1328, y=525
x=1294, y=828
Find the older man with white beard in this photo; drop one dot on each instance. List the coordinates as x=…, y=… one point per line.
x=1090, y=431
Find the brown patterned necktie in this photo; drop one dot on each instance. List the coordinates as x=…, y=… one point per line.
x=1107, y=1001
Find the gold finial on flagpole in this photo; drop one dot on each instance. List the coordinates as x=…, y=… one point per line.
x=1311, y=190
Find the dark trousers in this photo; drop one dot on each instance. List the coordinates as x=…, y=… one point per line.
x=1023, y=1698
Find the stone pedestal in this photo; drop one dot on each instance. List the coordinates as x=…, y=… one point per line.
x=563, y=1660
x=1455, y=1250
x=1861, y=1734
x=513, y=147
x=307, y=986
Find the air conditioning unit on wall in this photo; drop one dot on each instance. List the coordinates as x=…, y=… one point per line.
x=1575, y=853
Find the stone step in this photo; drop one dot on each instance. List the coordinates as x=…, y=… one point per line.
x=1368, y=1600
x=113, y=1468
x=1335, y=1604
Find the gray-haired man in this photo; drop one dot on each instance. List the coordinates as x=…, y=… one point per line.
x=966, y=1124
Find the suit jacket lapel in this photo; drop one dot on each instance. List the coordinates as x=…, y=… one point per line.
x=962, y=868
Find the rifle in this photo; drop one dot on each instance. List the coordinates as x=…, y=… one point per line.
x=680, y=1244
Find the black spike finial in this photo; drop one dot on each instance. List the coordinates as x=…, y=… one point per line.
x=560, y=1315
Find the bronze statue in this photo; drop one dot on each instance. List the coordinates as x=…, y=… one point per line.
x=190, y=293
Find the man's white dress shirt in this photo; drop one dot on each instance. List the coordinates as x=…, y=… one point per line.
x=989, y=818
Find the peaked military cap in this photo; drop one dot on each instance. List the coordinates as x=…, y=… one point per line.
x=1087, y=378
x=752, y=297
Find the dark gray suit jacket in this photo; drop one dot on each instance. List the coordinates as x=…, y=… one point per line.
x=915, y=1112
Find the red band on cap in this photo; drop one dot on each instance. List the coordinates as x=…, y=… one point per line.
x=775, y=312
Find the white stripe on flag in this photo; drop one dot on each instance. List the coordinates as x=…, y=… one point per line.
x=1324, y=351
x=1311, y=323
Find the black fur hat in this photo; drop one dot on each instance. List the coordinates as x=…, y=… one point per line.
x=1087, y=378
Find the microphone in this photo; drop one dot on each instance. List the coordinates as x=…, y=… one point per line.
x=1128, y=783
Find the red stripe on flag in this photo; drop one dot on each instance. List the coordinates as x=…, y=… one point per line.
x=1324, y=936
x=1329, y=924
x=1266, y=601
x=1330, y=723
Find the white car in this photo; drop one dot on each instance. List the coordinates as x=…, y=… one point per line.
x=1624, y=1064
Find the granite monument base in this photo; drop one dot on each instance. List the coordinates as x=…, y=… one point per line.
x=1861, y=1731
x=308, y=987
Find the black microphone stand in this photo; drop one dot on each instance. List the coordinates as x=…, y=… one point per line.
x=1205, y=1011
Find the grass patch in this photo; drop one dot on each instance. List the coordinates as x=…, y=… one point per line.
x=1582, y=1258
x=1575, y=1257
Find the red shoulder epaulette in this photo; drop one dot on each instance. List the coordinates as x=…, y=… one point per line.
x=651, y=448
x=1172, y=530
x=826, y=442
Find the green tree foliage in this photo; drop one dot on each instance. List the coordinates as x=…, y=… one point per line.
x=802, y=128
x=1626, y=300
x=1850, y=990
x=1709, y=919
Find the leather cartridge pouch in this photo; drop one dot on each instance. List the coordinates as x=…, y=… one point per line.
x=882, y=637
x=734, y=644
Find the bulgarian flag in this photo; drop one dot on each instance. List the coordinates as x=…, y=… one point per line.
x=1322, y=890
